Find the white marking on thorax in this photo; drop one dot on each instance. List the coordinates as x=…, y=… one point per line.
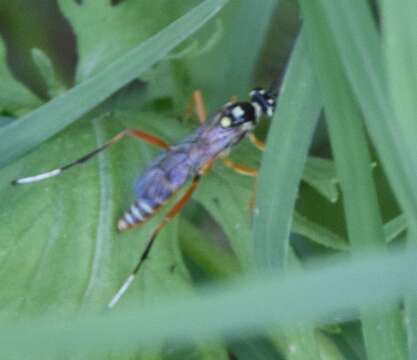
x=258, y=109
x=238, y=112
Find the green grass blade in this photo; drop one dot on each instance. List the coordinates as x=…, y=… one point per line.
x=359, y=47
x=400, y=45
x=283, y=161
x=219, y=311
x=239, y=69
x=394, y=227
x=321, y=174
x=319, y=234
x=382, y=327
x=36, y=127
x=281, y=171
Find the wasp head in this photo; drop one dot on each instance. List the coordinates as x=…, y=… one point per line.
x=263, y=101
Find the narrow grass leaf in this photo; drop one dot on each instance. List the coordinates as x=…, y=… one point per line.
x=321, y=174
x=218, y=311
x=318, y=233
x=382, y=329
x=282, y=165
x=359, y=47
x=395, y=227
x=241, y=61
x=400, y=46
x=31, y=130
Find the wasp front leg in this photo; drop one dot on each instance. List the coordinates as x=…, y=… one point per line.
x=240, y=169
x=260, y=145
x=247, y=171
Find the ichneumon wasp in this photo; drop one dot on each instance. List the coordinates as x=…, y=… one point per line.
x=185, y=162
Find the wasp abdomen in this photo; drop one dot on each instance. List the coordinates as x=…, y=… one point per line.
x=140, y=211
x=158, y=183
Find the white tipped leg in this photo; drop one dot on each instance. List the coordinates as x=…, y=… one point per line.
x=121, y=291
x=40, y=177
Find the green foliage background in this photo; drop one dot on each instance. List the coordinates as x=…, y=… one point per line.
x=135, y=64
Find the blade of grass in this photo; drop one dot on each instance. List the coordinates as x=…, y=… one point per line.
x=239, y=69
x=218, y=311
x=282, y=166
x=358, y=44
x=41, y=124
x=394, y=227
x=400, y=45
x=319, y=234
x=382, y=329
x=281, y=171
x=359, y=47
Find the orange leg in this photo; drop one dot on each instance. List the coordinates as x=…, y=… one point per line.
x=240, y=169
x=138, y=134
x=244, y=170
x=176, y=209
x=260, y=145
x=197, y=104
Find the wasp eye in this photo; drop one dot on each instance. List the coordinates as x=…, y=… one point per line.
x=225, y=122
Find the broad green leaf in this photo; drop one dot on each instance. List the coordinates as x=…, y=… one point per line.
x=61, y=235
x=120, y=26
x=219, y=311
x=15, y=98
x=382, y=329
x=209, y=257
x=54, y=116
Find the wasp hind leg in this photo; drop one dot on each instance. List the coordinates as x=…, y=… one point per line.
x=141, y=135
x=176, y=209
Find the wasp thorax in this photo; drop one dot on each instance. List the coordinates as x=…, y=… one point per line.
x=237, y=114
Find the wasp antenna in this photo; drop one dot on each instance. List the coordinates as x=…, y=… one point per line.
x=36, y=178
x=121, y=291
